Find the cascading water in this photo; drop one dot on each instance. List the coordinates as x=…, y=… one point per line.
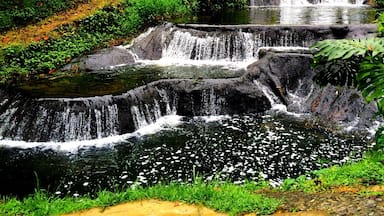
x=59, y=119
x=245, y=145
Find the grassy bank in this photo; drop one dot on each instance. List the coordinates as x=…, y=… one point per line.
x=223, y=197
x=369, y=171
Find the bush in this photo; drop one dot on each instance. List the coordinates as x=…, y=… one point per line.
x=379, y=3
x=218, y=5
x=148, y=12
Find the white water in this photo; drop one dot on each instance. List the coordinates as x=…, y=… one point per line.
x=73, y=146
x=328, y=3
x=75, y=119
x=230, y=50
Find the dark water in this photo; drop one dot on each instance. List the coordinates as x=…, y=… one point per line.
x=236, y=148
x=295, y=15
x=119, y=80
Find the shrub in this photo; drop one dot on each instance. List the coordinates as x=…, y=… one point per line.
x=148, y=12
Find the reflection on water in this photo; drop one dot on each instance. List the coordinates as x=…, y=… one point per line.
x=326, y=15
x=291, y=15
x=120, y=80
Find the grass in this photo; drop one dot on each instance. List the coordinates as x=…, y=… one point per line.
x=369, y=171
x=223, y=197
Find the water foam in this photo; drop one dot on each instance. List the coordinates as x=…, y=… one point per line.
x=73, y=146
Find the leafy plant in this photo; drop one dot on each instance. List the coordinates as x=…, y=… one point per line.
x=148, y=12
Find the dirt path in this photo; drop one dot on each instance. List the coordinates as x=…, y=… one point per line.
x=44, y=29
x=164, y=208
x=150, y=207
x=340, y=201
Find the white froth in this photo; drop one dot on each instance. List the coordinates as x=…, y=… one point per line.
x=73, y=146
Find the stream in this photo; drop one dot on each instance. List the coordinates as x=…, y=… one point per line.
x=204, y=101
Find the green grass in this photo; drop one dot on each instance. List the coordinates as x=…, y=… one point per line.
x=369, y=171
x=223, y=197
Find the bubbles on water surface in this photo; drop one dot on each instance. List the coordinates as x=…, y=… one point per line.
x=236, y=149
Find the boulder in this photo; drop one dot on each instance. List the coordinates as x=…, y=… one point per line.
x=102, y=59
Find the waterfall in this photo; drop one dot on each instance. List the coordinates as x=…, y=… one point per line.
x=232, y=46
x=60, y=119
x=144, y=114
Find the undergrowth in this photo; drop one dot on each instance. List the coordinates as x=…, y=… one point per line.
x=223, y=197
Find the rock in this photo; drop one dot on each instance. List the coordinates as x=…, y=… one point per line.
x=150, y=45
x=290, y=77
x=303, y=33
x=103, y=59
x=282, y=72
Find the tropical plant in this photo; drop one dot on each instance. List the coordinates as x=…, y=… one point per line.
x=364, y=63
x=367, y=64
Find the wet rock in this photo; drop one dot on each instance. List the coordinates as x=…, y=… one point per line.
x=290, y=77
x=306, y=34
x=150, y=46
x=282, y=72
x=102, y=59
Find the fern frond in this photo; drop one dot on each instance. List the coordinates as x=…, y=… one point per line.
x=345, y=49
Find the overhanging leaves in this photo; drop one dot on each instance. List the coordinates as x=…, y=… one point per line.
x=371, y=80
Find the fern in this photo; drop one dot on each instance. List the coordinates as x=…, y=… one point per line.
x=345, y=49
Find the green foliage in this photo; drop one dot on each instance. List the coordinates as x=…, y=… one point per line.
x=225, y=197
x=205, y=6
x=368, y=171
x=48, y=55
x=345, y=49
x=379, y=3
x=148, y=12
x=103, y=21
x=23, y=12
x=380, y=23
x=371, y=80
x=362, y=62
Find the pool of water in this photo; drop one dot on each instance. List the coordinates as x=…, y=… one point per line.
x=120, y=80
x=236, y=148
x=290, y=15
